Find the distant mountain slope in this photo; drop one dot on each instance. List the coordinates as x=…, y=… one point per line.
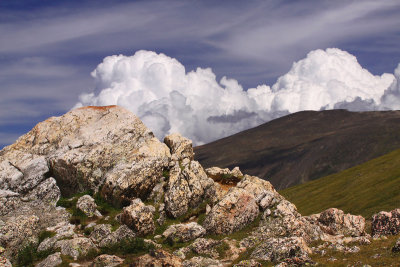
x=306, y=145
x=365, y=189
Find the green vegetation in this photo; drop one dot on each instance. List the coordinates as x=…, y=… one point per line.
x=45, y=234
x=28, y=255
x=127, y=246
x=364, y=189
x=378, y=253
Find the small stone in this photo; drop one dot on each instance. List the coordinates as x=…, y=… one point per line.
x=88, y=206
x=396, y=247
x=105, y=260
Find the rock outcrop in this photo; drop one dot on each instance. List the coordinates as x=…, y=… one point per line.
x=109, y=154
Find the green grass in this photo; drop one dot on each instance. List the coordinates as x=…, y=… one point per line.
x=365, y=256
x=364, y=189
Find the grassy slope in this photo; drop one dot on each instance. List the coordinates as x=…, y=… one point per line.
x=365, y=189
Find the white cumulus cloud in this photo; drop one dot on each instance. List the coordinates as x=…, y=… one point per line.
x=168, y=99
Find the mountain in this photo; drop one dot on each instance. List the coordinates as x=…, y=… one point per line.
x=306, y=145
x=364, y=189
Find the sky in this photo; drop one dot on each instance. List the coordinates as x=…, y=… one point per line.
x=204, y=68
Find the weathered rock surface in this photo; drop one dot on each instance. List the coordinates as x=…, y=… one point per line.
x=181, y=147
x=184, y=232
x=248, y=263
x=386, y=223
x=334, y=221
x=90, y=147
x=139, y=217
x=202, y=262
x=283, y=249
x=75, y=247
x=157, y=258
x=122, y=233
x=51, y=261
x=225, y=176
x=107, y=261
x=88, y=206
x=188, y=186
x=237, y=209
x=100, y=232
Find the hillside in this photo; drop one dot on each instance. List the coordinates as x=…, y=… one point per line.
x=306, y=145
x=364, y=189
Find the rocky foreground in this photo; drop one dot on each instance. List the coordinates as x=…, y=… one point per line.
x=94, y=187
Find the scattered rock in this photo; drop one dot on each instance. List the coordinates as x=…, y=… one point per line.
x=76, y=247
x=248, y=263
x=139, y=217
x=88, y=206
x=51, y=261
x=157, y=257
x=386, y=223
x=179, y=233
x=100, y=232
x=282, y=249
x=105, y=260
x=237, y=209
x=396, y=247
x=202, y=262
x=122, y=233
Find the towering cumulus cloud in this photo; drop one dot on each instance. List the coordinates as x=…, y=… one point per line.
x=158, y=89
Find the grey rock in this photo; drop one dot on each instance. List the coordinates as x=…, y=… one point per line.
x=88, y=206
x=105, y=260
x=202, y=262
x=100, y=232
x=282, y=249
x=139, y=217
x=122, y=233
x=184, y=232
x=51, y=261
x=396, y=247
x=76, y=247
x=180, y=146
x=237, y=209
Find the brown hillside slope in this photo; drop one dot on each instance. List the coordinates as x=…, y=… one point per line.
x=306, y=145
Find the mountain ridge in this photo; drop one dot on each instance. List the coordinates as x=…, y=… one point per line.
x=306, y=145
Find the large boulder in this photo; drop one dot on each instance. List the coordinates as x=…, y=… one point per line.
x=237, y=209
x=184, y=232
x=93, y=147
x=188, y=186
x=139, y=217
x=386, y=223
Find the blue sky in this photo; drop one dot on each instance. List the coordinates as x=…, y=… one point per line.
x=48, y=48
